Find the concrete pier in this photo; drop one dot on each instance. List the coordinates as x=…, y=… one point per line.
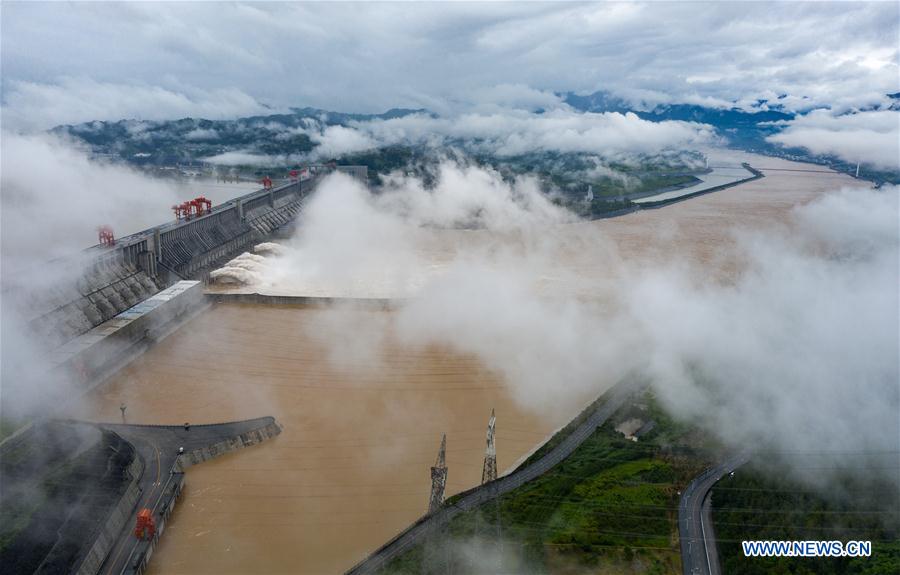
x=160, y=447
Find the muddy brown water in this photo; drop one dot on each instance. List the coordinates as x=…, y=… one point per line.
x=361, y=431
x=351, y=468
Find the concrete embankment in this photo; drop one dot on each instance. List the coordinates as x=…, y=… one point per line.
x=305, y=301
x=118, y=518
x=666, y=200
x=160, y=447
x=245, y=439
x=94, y=355
x=137, y=562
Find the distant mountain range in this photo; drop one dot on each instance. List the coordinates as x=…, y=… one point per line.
x=745, y=130
x=189, y=140
x=288, y=136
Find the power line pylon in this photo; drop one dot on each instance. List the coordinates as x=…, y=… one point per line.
x=489, y=472
x=439, y=477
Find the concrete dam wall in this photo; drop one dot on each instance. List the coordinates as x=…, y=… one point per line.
x=91, y=313
x=68, y=297
x=83, y=293
x=100, y=351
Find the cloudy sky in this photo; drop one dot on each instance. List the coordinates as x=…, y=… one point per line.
x=73, y=62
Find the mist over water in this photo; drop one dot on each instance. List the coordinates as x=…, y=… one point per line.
x=783, y=337
x=54, y=195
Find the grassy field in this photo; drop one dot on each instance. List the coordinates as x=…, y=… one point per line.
x=611, y=507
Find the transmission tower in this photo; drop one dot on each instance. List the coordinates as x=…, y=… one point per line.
x=438, y=477
x=489, y=473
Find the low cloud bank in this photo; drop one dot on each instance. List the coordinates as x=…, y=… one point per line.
x=54, y=196
x=513, y=132
x=492, y=129
x=246, y=158
x=355, y=242
x=867, y=137
x=72, y=100
x=800, y=353
x=797, y=352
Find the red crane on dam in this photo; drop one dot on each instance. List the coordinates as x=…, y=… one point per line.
x=192, y=208
x=106, y=236
x=201, y=205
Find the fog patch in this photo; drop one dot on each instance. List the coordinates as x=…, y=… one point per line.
x=871, y=137
x=800, y=353
x=55, y=196
x=509, y=132
x=795, y=351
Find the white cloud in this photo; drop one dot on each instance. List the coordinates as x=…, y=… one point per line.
x=199, y=134
x=443, y=56
x=54, y=197
x=335, y=141
x=797, y=351
x=245, y=158
x=38, y=105
x=512, y=132
x=871, y=137
x=502, y=131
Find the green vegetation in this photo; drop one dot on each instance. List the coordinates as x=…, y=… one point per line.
x=754, y=506
x=611, y=506
x=566, y=177
x=8, y=426
x=59, y=483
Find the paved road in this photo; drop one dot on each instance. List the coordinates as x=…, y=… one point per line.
x=158, y=446
x=698, y=542
x=471, y=499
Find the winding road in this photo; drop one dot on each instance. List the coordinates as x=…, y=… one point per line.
x=695, y=529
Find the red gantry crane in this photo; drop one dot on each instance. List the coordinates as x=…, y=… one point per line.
x=201, y=205
x=197, y=207
x=106, y=236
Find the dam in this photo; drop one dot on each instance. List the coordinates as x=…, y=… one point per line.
x=360, y=428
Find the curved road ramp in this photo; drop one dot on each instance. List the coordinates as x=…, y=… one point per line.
x=695, y=527
x=72, y=491
x=584, y=426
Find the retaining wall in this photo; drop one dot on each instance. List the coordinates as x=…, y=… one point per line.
x=311, y=301
x=661, y=203
x=246, y=439
x=91, y=355
x=118, y=517
x=66, y=298
x=140, y=557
